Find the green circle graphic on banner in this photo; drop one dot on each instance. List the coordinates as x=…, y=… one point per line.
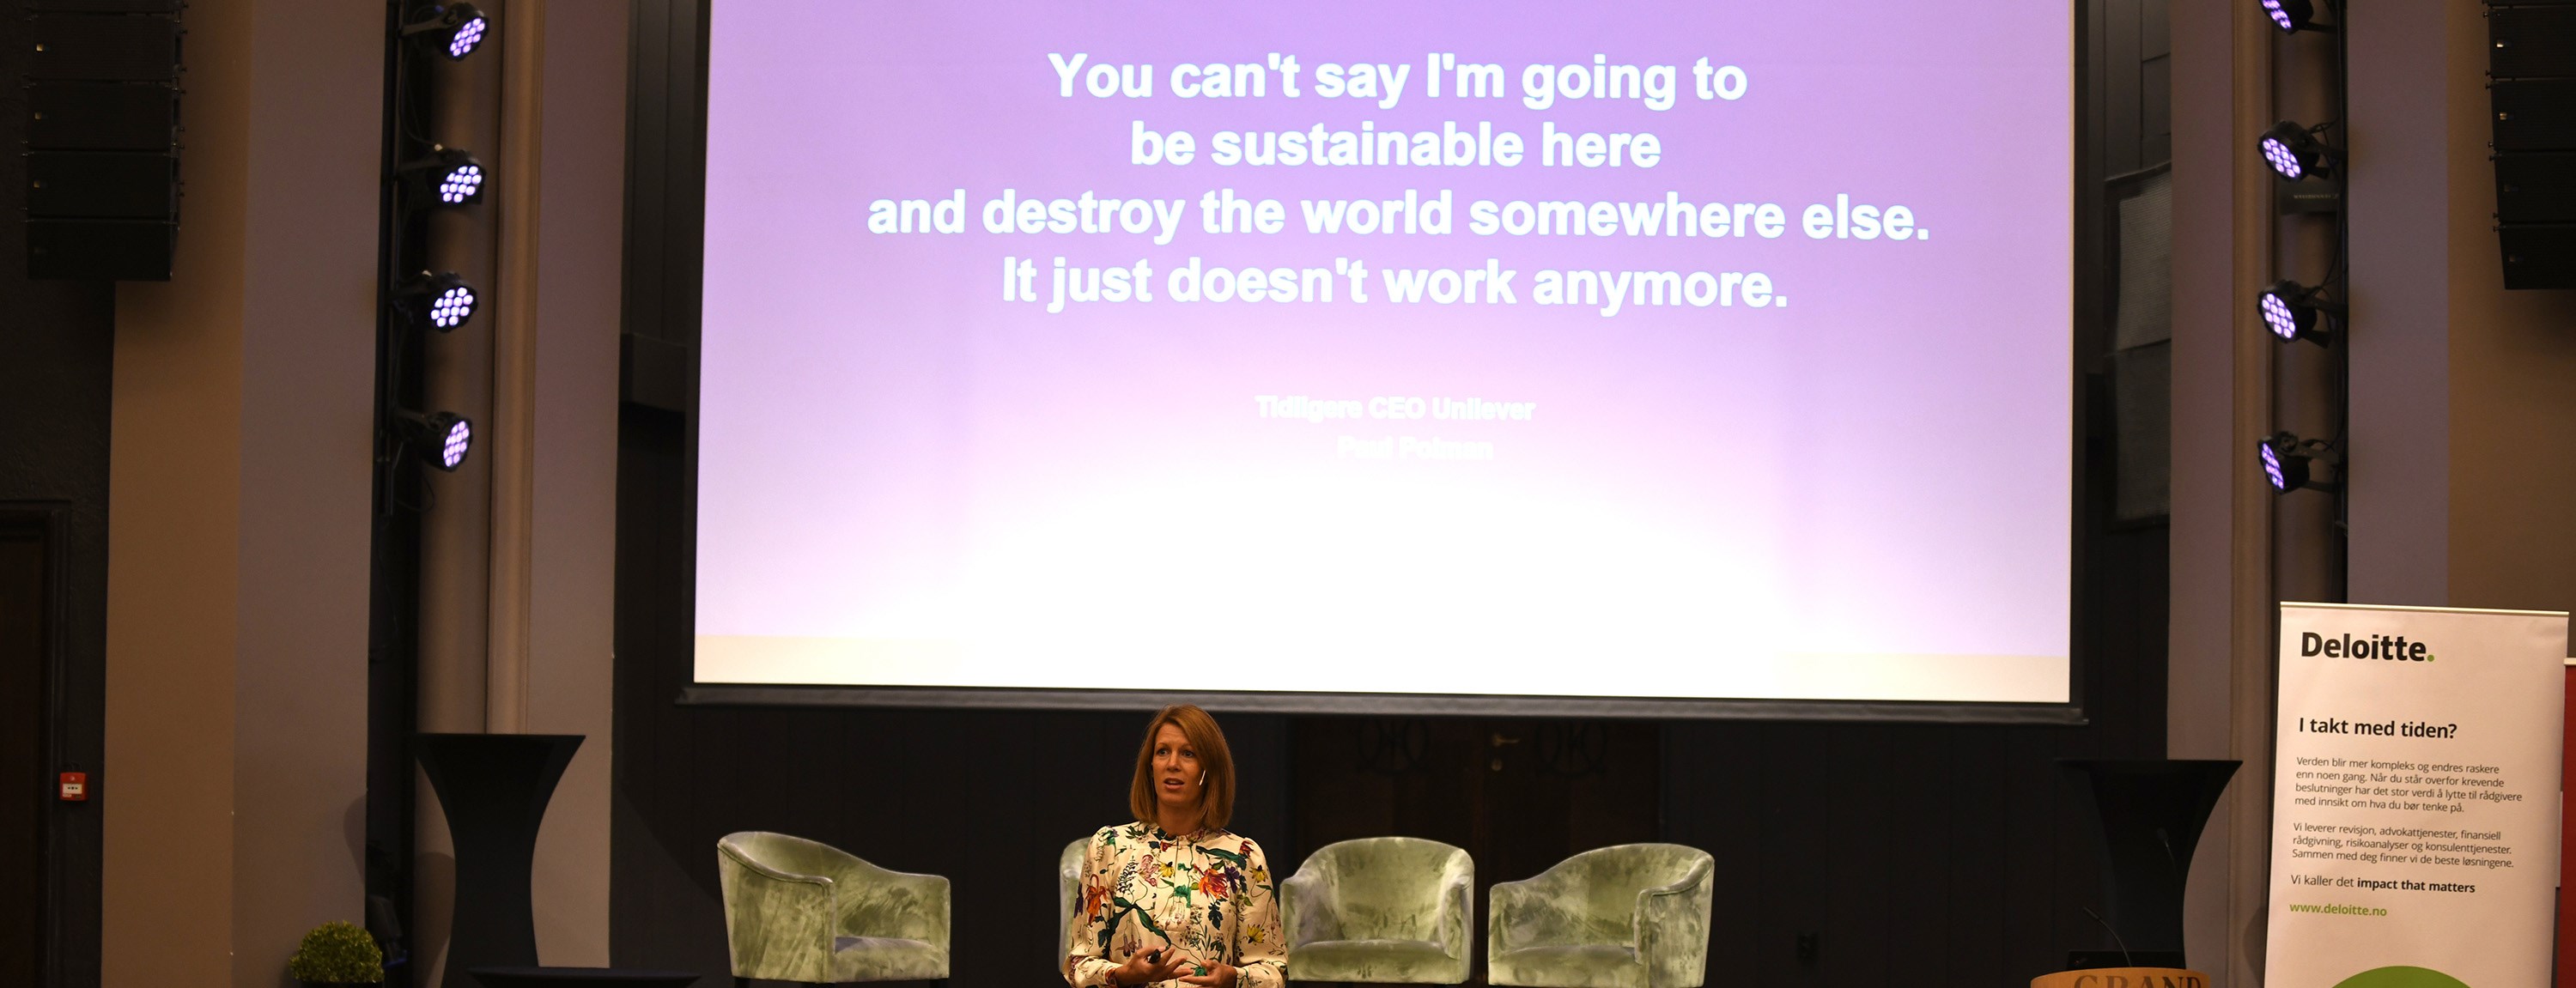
x=2401, y=977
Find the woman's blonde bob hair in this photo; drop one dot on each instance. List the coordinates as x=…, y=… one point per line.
x=1216, y=797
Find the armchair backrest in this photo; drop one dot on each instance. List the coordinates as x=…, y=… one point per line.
x=1601, y=885
x=784, y=853
x=781, y=895
x=1068, y=892
x=1390, y=888
x=870, y=901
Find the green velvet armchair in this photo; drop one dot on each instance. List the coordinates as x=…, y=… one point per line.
x=796, y=910
x=1631, y=916
x=1381, y=910
x=1068, y=890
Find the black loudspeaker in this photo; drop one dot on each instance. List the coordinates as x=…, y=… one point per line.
x=102, y=151
x=2531, y=82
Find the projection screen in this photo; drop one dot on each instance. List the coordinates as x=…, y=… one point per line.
x=1356, y=352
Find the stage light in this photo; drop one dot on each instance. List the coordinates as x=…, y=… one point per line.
x=2286, y=471
x=2287, y=460
x=447, y=177
x=442, y=438
x=2292, y=311
x=456, y=29
x=2291, y=16
x=441, y=301
x=2295, y=153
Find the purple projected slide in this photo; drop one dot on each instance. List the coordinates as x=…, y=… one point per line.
x=1651, y=349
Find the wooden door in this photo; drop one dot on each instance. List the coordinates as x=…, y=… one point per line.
x=1519, y=794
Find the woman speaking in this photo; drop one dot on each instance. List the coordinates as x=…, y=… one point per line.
x=1174, y=896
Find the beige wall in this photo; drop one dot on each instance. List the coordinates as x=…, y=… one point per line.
x=571, y=686
x=238, y=515
x=2402, y=227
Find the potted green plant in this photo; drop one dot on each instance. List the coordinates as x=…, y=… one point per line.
x=337, y=953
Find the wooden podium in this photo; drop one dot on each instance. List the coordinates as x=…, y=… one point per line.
x=2123, y=977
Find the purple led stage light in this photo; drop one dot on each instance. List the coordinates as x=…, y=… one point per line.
x=2282, y=160
x=453, y=307
x=2277, y=314
x=438, y=300
x=2294, y=151
x=445, y=177
x=2286, y=466
x=2290, y=15
x=468, y=36
x=460, y=439
x=441, y=439
x=463, y=184
x=456, y=30
x=2292, y=311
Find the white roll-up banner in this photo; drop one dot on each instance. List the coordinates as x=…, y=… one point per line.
x=2415, y=797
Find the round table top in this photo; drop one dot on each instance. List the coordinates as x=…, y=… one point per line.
x=589, y=977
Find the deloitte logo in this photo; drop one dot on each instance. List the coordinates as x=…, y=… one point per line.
x=2384, y=647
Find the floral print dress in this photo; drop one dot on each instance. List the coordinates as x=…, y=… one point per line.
x=1208, y=894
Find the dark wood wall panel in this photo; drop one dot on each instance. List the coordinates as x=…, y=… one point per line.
x=2132, y=99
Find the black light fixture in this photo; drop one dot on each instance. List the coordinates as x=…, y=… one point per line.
x=455, y=29
x=441, y=438
x=447, y=177
x=2287, y=461
x=440, y=301
x=2292, y=16
x=2293, y=311
x=2295, y=153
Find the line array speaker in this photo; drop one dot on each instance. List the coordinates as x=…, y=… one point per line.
x=102, y=148
x=2531, y=83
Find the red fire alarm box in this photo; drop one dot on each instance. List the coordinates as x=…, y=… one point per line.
x=74, y=787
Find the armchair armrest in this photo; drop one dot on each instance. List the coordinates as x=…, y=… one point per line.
x=778, y=924
x=1306, y=910
x=882, y=903
x=1457, y=912
x=1672, y=929
x=1525, y=914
